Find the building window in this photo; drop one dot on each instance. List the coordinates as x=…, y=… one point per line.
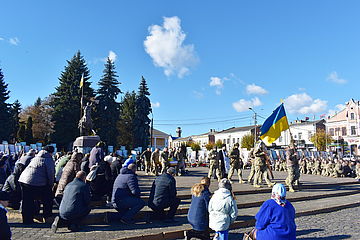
x=280, y=139
x=343, y=131
x=353, y=131
x=331, y=132
x=300, y=135
x=233, y=140
x=352, y=116
x=238, y=140
x=224, y=141
x=228, y=141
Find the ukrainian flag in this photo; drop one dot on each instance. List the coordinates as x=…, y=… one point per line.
x=274, y=125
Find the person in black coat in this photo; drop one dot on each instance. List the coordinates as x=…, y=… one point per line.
x=221, y=158
x=74, y=205
x=163, y=195
x=101, y=185
x=126, y=194
x=5, y=232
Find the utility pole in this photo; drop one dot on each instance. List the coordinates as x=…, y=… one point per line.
x=152, y=130
x=255, y=121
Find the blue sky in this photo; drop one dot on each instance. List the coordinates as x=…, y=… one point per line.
x=205, y=61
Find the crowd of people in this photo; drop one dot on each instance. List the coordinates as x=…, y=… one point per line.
x=71, y=181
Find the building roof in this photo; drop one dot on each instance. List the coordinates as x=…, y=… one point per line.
x=306, y=122
x=158, y=132
x=237, y=129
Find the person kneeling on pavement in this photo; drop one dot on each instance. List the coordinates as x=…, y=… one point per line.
x=163, y=195
x=126, y=194
x=74, y=205
x=276, y=218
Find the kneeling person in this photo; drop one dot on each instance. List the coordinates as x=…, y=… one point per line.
x=74, y=205
x=126, y=194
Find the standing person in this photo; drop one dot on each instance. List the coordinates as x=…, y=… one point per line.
x=251, y=159
x=5, y=232
x=163, y=195
x=224, y=163
x=155, y=162
x=198, y=215
x=36, y=182
x=293, y=168
x=68, y=174
x=146, y=155
x=276, y=217
x=222, y=210
x=236, y=163
x=214, y=164
x=126, y=194
x=261, y=169
x=97, y=154
x=75, y=204
x=180, y=157
x=164, y=157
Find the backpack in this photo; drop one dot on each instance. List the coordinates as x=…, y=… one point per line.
x=92, y=174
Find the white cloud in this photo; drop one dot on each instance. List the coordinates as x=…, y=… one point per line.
x=112, y=56
x=304, y=104
x=2, y=39
x=244, y=105
x=198, y=94
x=302, y=89
x=14, y=41
x=165, y=45
x=333, y=77
x=255, y=89
x=155, y=104
x=218, y=83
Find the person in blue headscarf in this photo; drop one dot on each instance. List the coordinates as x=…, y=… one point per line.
x=276, y=217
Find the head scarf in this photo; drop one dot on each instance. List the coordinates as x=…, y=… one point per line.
x=278, y=194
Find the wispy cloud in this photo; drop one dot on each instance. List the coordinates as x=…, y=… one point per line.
x=2, y=39
x=165, y=45
x=337, y=109
x=155, y=104
x=255, y=89
x=14, y=41
x=243, y=105
x=333, y=77
x=218, y=83
x=304, y=104
x=198, y=94
x=112, y=56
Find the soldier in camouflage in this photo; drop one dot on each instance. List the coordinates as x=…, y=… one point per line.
x=251, y=159
x=164, y=158
x=214, y=164
x=293, y=168
x=236, y=163
x=261, y=169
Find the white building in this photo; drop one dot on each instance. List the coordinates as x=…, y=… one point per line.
x=344, y=128
x=301, y=131
x=202, y=139
x=234, y=135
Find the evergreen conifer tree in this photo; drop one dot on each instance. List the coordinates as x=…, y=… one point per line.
x=107, y=110
x=28, y=131
x=126, y=122
x=142, y=111
x=5, y=116
x=66, y=101
x=21, y=133
x=15, y=124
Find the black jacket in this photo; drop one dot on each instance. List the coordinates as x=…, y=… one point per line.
x=5, y=232
x=163, y=191
x=126, y=184
x=75, y=201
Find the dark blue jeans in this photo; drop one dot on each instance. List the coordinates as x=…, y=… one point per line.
x=128, y=206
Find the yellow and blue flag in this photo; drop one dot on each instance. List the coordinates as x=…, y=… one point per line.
x=82, y=81
x=274, y=125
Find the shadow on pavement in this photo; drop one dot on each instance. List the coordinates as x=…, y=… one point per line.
x=304, y=232
x=335, y=237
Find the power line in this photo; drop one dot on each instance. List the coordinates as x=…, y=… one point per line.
x=194, y=119
x=201, y=123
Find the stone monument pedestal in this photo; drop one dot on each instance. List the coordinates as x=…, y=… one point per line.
x=84, y=144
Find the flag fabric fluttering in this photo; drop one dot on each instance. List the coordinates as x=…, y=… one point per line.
x=82, y=81
x=274, y=125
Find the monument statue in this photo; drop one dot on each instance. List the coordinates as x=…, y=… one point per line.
x=85, y=123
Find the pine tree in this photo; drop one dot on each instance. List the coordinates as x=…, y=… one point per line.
x=28, y=131
x=38, y=102
x=126, y=121
x=142, y=121
x=107, y=110
x=5, y=116
x=66, y=101
x=15, y=124
x=21, y=133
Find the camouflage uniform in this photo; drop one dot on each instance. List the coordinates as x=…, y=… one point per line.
x=303, y=166
x=164, y=157
x=293, y=169
x=155, y=162
x=309, y=167
x=317, y=167
x=260, y=165
x=357, y=170
x=252, y=161
x=236, y=163
x=338, y=170
x=214, y=165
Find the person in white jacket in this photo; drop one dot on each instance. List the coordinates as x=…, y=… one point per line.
x=222, y=210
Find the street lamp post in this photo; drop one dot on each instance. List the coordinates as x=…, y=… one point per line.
x=255, y=120
x=152, y=128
